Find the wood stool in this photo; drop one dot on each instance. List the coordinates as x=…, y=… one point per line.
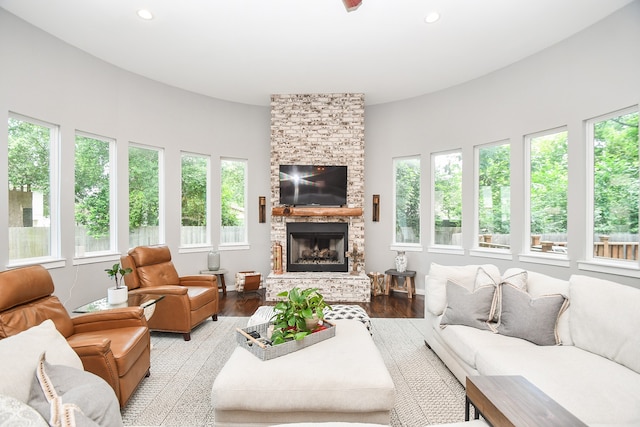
x=408, y=285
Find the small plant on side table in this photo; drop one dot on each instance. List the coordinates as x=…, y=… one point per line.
x=290, y=320
x=117, y=273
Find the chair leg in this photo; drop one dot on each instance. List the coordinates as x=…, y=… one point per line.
x=214, y=317
x=148, y=373
x=187, y=336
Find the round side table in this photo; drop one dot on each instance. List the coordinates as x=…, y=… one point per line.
x=220, y=273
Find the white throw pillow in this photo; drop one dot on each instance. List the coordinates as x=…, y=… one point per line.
x=20, y=355
x=465, y=275
x=604, y=319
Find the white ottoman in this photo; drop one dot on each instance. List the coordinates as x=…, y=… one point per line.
x=340, y=379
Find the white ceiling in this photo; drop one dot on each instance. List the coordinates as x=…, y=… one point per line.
x=246, y=50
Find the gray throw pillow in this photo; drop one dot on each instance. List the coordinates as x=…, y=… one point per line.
x=68, y=396
x=468, y=308
x=532, y=319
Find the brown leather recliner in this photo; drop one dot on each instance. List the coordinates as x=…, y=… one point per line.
x=113, y=344
x=188, y=301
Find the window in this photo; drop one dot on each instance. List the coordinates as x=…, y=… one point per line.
x=547, y=178
x=406, y=175
x=233, y=201
x=194, y=228
x=615, y=178
x=33, y=189
x=493, y=201
x=447, y=199
x=144, y=196
x=94, y=201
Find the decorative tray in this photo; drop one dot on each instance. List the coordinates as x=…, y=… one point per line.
x=265, y=351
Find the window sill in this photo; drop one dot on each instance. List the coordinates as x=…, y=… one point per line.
x=628, y=269
x=488, y=253
x=406, y=248
x=194, y=249
x=48, y=263
x=96, y=258
x=453, y=250
x=556, y=260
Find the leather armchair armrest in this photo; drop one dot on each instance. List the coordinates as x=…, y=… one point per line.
x=161, y=290
x=97, y=358
x=210, y=281
x=109, y=319
x=92, y=346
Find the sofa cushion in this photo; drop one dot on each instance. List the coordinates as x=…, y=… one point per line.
x=532, y=319
x=436, y=282
x=16, y=413
x=590, y=386
x=466, y=342
x=58, y=390
x=20, y=354
x=604, y=319
x=468, y=308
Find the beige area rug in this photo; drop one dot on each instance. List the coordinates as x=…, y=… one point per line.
x=178, y=392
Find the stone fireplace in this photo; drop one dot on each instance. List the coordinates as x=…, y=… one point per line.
x=319, y=129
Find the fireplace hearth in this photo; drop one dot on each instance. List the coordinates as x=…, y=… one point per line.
x=315, y=246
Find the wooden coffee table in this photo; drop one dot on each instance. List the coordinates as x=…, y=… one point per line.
x=514, y=401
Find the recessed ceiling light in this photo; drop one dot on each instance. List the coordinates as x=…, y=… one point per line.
x=145, y=14
x=432, y=17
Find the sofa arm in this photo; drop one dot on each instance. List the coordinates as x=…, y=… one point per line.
x=97, y=358
x=161, y=290
x=210, y=281
x=109, y=319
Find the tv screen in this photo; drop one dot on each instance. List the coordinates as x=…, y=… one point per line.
x=306, y=185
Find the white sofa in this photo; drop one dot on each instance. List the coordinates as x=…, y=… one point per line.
x=593, y=368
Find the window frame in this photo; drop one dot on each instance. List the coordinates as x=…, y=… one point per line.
x=477, y=250
x=245, y=243
x=527, y=255
x=440, y=248
x=207, y=242
x=405, y=246
x=54, y=258
x=113, y=215
x=161, y=191
x=592, y=263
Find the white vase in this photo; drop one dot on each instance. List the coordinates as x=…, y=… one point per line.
x=213, y=260
x=117, y=295
x=401, y=262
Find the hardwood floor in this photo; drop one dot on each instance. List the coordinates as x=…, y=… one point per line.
x=396, y=305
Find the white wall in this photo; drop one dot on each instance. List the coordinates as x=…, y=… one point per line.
x=42, y=77
x=595, y=72
x=590, y=74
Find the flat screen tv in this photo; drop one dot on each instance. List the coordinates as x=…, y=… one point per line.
x=306, y=185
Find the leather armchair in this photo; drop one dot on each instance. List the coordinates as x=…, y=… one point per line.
x=188, y=301
x=113, y=344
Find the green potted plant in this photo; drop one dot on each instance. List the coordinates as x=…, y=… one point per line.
x=119, y=293
x=298, y=314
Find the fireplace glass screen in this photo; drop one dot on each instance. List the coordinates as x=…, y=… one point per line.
x=317, y=247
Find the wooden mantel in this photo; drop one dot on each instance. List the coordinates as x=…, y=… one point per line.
x=314, y=211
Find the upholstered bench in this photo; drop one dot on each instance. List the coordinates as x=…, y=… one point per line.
x=341, y=379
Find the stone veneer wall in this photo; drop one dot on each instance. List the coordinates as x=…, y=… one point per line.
x=319, y=129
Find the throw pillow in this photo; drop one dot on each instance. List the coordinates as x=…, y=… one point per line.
x=72, y=397
x=474, y=309
x=436, y=282
x=16, y=413
x=532, y=319
x=19, y=355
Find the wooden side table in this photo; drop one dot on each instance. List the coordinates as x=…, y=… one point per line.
x=408, y=284
x=220, y=273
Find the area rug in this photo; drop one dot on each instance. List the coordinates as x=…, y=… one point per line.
x=178, y=391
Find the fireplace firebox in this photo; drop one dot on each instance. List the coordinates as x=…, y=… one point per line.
x=317, y=246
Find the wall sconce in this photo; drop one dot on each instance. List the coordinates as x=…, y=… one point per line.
x=262, y=209
x=376, y=208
